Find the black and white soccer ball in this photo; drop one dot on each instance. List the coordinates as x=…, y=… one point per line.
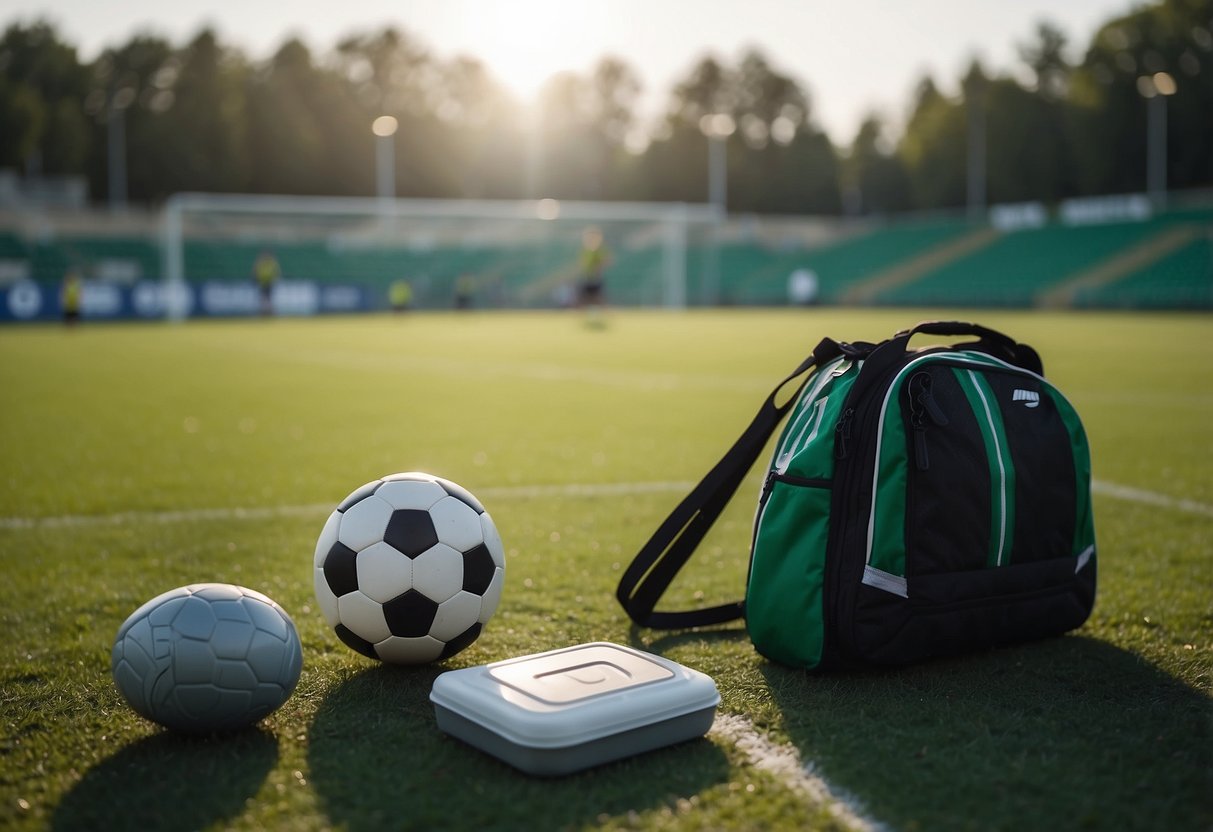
x=207, y=657
x=409, y=568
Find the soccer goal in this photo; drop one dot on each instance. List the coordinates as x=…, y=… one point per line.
x=354, y=253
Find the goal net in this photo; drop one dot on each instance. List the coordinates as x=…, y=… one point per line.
x=353, y=253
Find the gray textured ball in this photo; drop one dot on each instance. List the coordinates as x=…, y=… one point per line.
x=207, y=657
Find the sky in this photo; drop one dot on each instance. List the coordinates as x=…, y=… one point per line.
x=853, y=57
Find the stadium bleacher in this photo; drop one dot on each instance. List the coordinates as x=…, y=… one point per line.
x=757, y=276
x=1016, y=267
x=1161, y=262
x=1182, y=279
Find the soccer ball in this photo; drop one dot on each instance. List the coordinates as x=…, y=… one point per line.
x=207, y=657
x=409, y=568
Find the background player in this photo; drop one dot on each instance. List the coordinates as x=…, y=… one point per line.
x=266, y=271
x=595, y=257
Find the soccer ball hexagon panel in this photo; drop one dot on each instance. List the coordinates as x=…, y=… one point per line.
x=409, y=569
x=207, y=657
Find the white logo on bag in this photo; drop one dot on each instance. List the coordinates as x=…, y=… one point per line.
x=1030, y=398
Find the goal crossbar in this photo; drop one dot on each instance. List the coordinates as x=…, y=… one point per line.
x=672, y=218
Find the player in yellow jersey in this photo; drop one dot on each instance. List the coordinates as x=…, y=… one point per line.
x=266, y=272
x=595, y=257
x=70, y=296
x=400, y=295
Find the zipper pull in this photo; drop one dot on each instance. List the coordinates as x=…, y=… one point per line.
x=920, y=448
x=922, y=405
x=769, y=483
x=922, y=399
x=842, y=433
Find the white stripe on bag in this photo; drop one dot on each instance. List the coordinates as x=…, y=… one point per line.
x=880, y=579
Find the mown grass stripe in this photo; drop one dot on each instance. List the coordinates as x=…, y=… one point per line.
x=504, y=492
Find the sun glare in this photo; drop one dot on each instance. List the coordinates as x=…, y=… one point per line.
x=529, y=41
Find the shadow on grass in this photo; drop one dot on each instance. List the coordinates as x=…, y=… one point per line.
x=170, y=782
x=1061, y=734
x=641, y=638
x=378, y=761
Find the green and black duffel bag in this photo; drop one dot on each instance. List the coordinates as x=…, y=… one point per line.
x=919, y=503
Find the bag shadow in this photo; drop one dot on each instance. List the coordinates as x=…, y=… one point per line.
x=198, y=782
x=662, y=644
x=1060, y=734
x=377, y=760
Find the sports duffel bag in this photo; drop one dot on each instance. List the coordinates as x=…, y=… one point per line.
x=919, y=502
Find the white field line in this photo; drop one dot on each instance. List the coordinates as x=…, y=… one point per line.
x=505, y=492
x=783, y=762
x=1149, y=498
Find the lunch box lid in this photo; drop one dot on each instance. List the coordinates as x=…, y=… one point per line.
x=574, y=695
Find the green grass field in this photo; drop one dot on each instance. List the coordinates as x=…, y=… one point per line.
x=139, y=458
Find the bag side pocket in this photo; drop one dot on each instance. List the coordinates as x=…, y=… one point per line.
x=784, y=604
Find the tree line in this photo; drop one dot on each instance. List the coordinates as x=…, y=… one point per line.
x=203, y=116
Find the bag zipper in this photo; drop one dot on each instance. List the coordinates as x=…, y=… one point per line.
x=842, y=433
x=922, y=405
x=768, y=485
x=813, y=411
x=845, y=508
x=791, y=479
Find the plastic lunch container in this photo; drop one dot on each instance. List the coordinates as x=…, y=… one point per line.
x=564, y=710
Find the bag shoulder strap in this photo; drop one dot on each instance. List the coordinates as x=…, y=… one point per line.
x=659, y=560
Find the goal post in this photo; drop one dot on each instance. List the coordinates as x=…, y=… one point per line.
x=514, y=253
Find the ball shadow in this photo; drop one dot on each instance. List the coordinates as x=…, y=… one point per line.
x=194, y=782
x=1061, y=734
x=377, y=760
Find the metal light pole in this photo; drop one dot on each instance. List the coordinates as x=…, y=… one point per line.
x=533, y=160
x=1155, y=89
x=115, y=140
x=717, y=127
x=384, y=129
x=976, y=169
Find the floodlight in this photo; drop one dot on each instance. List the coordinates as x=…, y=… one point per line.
x=717, y=125
x=384, y=126
x=1164, y=84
